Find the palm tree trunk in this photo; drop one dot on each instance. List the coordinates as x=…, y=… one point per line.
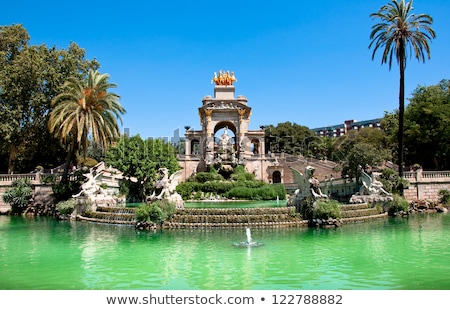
x=69, y=158
x=401, y=112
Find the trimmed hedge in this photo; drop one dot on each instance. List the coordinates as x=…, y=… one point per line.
x=248, y=190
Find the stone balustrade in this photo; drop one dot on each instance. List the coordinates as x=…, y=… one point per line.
x=7, y=179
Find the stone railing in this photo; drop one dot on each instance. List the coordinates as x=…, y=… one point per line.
x=7, y=179
x=35, y=178
x=421, y=175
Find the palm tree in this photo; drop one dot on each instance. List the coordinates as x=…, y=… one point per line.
x=401, y=32
x=83, y=110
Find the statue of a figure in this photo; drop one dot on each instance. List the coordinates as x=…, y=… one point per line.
x=308, y=184
x=224, y=78
x=371, y=185
x=166, y=188
x=225, y=140
x=90, y=187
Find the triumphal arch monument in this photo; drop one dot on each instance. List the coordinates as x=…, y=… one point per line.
x=225, y=139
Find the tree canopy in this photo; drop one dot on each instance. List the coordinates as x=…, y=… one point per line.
x=290, y=138
x=30, y=77
x=360, y=149
x=139, y=160
x=86, y=109
x=427, y=126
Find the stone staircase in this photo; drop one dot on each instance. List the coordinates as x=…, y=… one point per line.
x=109, y=215
x=231, y=217
x=236, y=217
x=361, y=212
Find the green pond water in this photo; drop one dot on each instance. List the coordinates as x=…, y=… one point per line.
x=389, y=254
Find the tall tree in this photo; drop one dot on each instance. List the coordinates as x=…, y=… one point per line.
x=139, y=160
x=427, y=129
x=291, y=138
x=30, y=76
x=399, y=33
x=366, y=147
x=86, y=109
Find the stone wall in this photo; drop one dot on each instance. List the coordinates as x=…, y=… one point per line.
x=425, y=185
x=41, y=192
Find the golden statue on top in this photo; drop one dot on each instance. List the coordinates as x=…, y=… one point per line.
x=224, y=78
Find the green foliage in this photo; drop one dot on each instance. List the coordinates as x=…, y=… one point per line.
x=19, y=195
x=327, y=209
x=264, y=192
x=290, y=138
x=398, y=34
x=392, y=182
x=240, y=174
x=141, y=159
x=156, y=212
x=444, y=196
x=360, y=149
x=64, y=189
x=85, y=109
x=30, y=76
x=203, y=177
x=242, y=185
x=319, y=209
x=399, y=204
x=86, y=161
x=426, y=126
x=66, y=207
x=49, y=179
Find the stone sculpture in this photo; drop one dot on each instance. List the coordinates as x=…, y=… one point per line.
x=308, y=185
x=101, y=186
x=371, y=190
x=224, y=78
x=165, y=188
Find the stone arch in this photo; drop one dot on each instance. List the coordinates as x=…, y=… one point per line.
x=255, y=146
x=221, y=125
x=230, y=128
x=195, y=147
x=276, y=176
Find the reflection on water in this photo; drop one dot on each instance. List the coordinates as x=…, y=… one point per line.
x=40, y=253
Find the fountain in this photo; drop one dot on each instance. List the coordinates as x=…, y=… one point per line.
x=249, y=243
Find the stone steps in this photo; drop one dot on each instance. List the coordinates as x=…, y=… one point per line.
x=232, y=217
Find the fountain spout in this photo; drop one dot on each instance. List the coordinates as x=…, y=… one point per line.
x=249, y=243
x=249, y=235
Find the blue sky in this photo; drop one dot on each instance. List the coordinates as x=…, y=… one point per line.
x=306, y=62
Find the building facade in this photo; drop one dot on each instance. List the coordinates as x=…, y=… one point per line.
x=225, y=139
x=342, y=129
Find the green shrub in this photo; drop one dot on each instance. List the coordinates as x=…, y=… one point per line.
x=392, y=182
x=327, y=209
x=444, y=196
x=156, y=212
x=66, y=207
x=19, y=195
x=398, y=204
x=319, y=209
x=242, y=185
x=49, y=179
x=240, y=174
x=65, y=189
x=264, y=192
x=203, y=177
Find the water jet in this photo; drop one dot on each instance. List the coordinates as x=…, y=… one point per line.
x=248, y=243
